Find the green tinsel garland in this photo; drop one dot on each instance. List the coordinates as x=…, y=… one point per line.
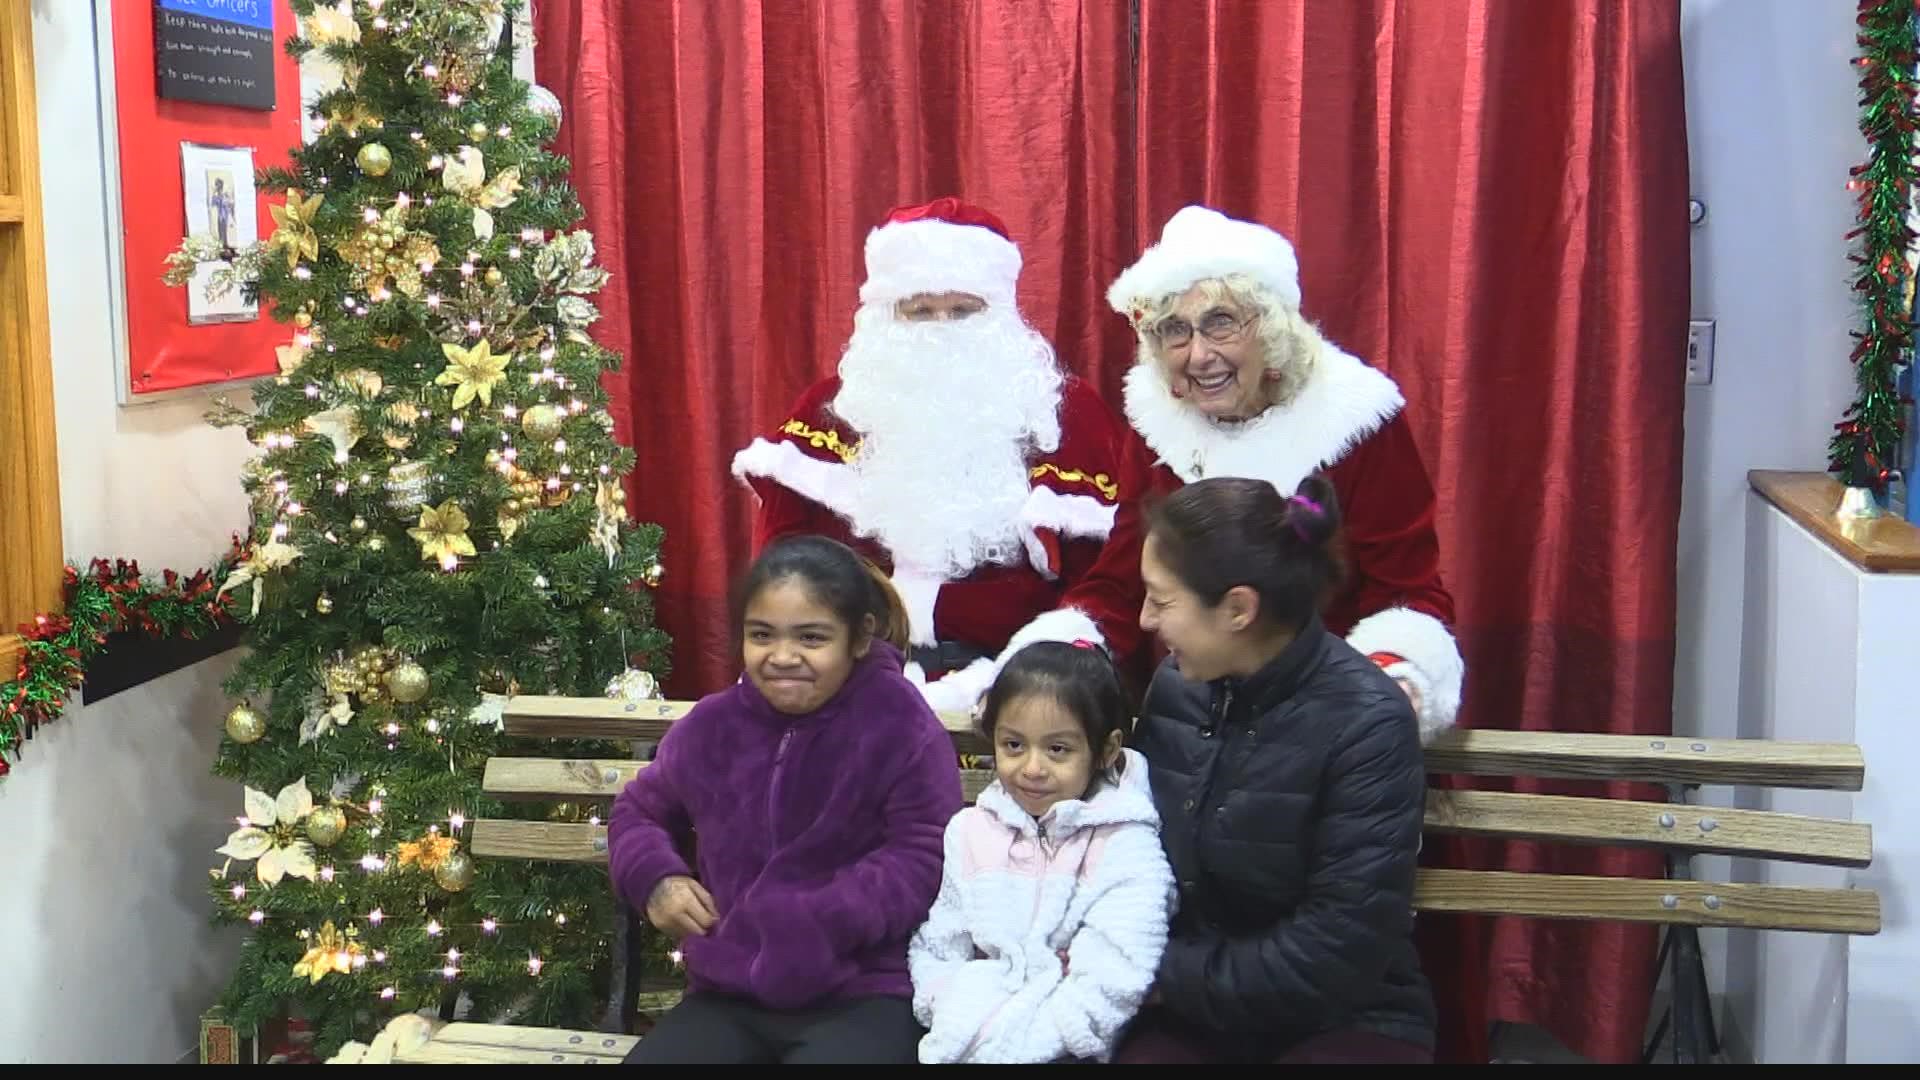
x=1863, y=448
x=106, y=599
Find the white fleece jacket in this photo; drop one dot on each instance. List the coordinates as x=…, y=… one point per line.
x=1089, y=878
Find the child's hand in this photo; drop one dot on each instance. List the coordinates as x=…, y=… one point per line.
x=681, y=906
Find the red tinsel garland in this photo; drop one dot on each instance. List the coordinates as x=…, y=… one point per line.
x=109, y=597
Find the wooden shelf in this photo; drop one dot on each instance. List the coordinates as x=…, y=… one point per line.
x=1882, y=545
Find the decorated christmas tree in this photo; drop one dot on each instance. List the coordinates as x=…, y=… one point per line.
x=437, y=524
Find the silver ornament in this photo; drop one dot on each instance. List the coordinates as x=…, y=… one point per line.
x=544, y=103
x=633, y=685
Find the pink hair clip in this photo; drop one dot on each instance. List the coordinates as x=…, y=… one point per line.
x=1082, y=643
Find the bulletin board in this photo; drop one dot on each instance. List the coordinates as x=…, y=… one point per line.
x=160, y=352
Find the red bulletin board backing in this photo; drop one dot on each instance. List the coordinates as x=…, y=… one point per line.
x=163, y=352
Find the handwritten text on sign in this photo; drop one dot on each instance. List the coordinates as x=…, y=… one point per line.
x=215, y=51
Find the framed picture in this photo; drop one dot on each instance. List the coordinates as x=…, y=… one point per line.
x=219, y=196
x=159, y=354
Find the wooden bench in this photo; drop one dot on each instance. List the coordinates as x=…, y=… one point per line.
x=1673, y=827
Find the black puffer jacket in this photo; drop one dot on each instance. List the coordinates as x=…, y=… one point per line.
x=1291, y=805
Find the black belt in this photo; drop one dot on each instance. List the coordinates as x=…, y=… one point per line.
x=945, y=656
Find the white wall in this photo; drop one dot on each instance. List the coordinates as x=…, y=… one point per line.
x=111, y=816
x=1772, y=131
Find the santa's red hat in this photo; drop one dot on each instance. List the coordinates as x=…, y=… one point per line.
x=943, y=246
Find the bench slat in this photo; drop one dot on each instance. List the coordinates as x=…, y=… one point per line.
x=558, y=778
x=550, y=841
x=1550, y=896
x=1655, y=759
x=551, y=1040
x=587, y=778
x=556, y=717
x=1562, y=755
x=446, y=1053
x=1758, y=833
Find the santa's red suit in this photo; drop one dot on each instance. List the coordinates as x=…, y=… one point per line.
x=1343, y=418
x=1048, y=580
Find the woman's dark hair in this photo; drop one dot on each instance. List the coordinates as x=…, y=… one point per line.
x=1080, y=677
x=1227, y=531
x=835, y=577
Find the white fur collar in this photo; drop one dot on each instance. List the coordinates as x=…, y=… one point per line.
x=1343, y=402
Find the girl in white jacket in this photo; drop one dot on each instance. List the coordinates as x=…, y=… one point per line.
x=1054, y=904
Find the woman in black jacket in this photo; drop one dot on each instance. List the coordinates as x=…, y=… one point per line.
x=1288, y=773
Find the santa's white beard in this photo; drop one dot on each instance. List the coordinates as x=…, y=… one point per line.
x=947, y=413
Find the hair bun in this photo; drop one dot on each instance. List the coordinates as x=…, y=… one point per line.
x=1313, y=511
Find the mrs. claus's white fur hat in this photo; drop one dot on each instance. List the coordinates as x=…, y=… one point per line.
x=1197, y=244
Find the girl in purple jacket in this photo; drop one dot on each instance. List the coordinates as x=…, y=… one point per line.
x=820, y=787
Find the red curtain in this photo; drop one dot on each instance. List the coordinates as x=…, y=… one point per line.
x=733, y=154
x=1489, y=202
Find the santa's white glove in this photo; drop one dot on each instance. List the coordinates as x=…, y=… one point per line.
x=960, y=691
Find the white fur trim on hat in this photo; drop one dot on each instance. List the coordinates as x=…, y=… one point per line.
x=961, y=690
x=1429, y=650
x=908, y=258
x=1199, y=244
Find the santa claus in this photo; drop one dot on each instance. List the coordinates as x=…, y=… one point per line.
x=1232, y=380
x=953, y=452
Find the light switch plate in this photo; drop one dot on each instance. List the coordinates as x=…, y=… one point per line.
x=1700, y=352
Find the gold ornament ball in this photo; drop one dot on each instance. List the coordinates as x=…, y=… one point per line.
x=619, y=496
x=655, y=575
x=494, y=277
x=407, y=683
x=541, y=421
x=374, y=159
x=325, y=825
x=244, y=725
x=358, y=524
x=324, y=604
x=302, y=319
x=477, y=131
x=455, y=873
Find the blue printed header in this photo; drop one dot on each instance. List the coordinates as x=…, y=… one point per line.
x=255, y=13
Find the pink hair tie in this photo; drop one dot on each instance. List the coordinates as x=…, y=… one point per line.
x=1299, y=529
x=1082, y=643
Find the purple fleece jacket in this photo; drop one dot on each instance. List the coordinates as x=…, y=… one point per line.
x=820, y=835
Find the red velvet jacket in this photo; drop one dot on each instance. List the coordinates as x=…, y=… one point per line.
x=1073, y=584
x=1346, y=422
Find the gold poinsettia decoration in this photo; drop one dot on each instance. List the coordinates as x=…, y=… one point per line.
x=442, y=532
x=271, y=834
x=466, y=175
x=340, y=425
x=263, y=560
x=607, y=515
x=428, y=852
x=293, y=226
x=472, y=372
x=331, y=23
x=290, y=356
x=386, y=249
x=332, y=951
